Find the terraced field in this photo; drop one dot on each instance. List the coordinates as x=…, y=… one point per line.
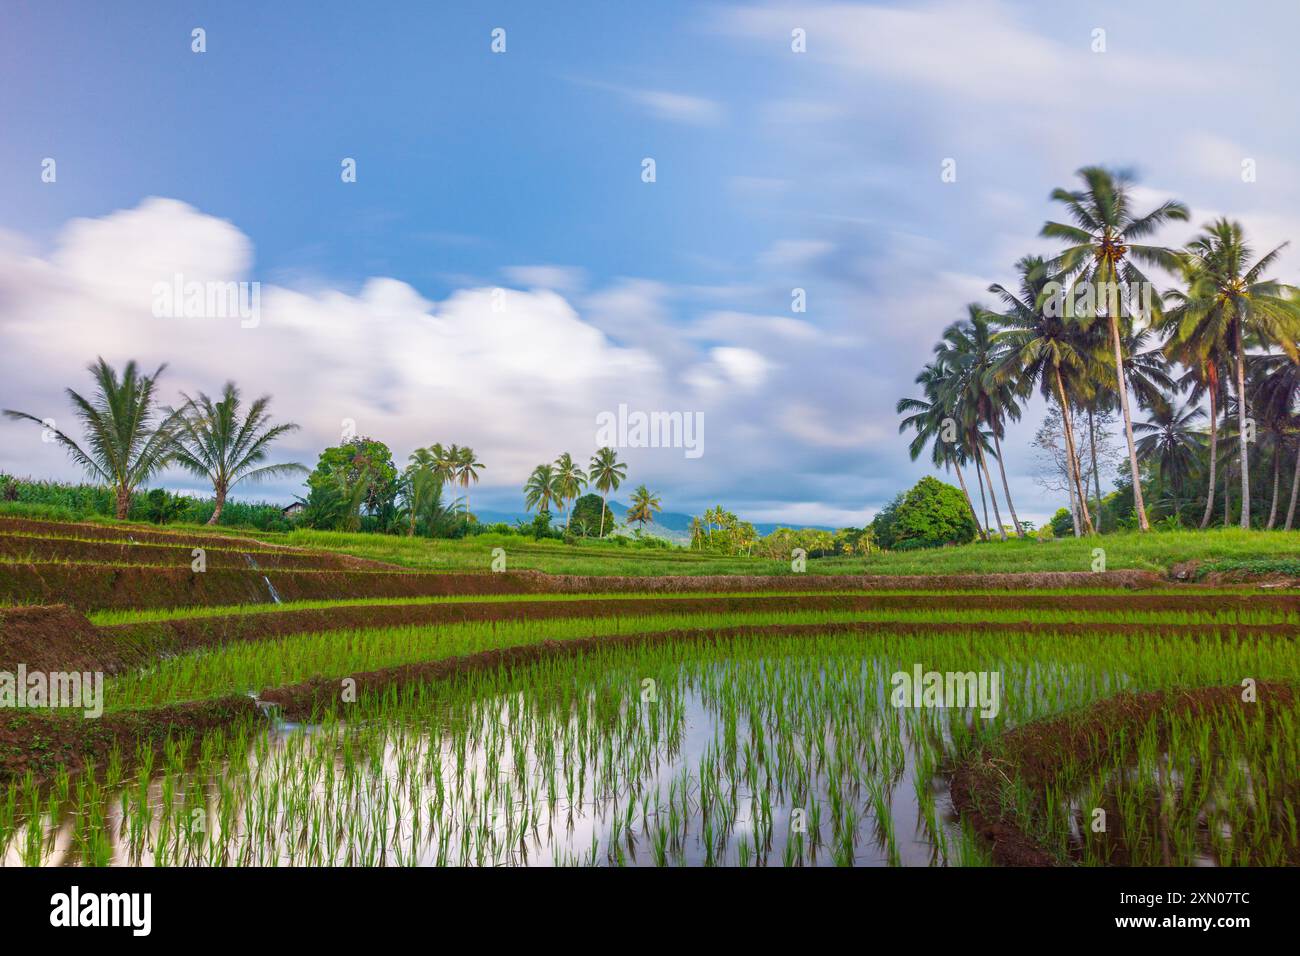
x=297, y=706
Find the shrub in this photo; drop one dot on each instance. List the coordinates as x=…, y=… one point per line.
x=932, y=514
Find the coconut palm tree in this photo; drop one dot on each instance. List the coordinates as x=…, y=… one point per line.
x=1204, y=357
x=221, y=442
x=606, y=473
x=967, y=353
x=1040, y=347
x=1172, y=440
x=1101, y=257
x=1229, y=300
x=128, y=437
x=540, y=491
x=935, y=425
x=1275, y=389
x=466, y=466
x=570, y=479
x=644, y=507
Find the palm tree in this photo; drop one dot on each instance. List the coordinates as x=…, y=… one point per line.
x=128, y=439
x=1100, y=256
x=607, y=473
x=214, y=440
x=1040, y=347
x=644, y=506
x=930, y=417
x=570, y=479
x=540, y=491
x=1275, y=390
x=968, y=350
x=1171, y=439
x=1204, y=356
x=466, y=466
x=1228, y=300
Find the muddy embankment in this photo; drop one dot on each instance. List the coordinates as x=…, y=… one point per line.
x=1036, y=752
x=92, y=587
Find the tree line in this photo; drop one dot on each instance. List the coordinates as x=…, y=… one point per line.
x=1087, y=330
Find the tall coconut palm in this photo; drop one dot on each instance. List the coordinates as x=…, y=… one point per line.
x=1204, y=356
x=128, y=437
x=606, y=473
x=1039, y=347
x=644, y=507
x=1229, y=300
x=466, y=466
x=570, y=479
x=935, y=425
x=968, y=349
x=540, y=491
x=1275, y=386
x=1172, y=440
x=1101, y=256
x=221, y=442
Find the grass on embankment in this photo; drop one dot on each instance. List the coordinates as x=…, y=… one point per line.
x=253, y=666
x=117, y=616
x=1153, y=551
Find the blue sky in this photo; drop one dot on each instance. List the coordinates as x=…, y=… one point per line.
x=522, y=171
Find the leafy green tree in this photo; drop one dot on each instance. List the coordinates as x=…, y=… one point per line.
x=932, y=514
x=587, y=512
x=361, y=463
x=128, y=438
x=225, y=444
x=606, y=473
x=1172, y=441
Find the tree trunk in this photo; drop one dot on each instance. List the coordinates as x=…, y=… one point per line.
x=1214, y=454
x=123, y=503
x=1096, y=473
x=221, y=503
x=1277, y=482
x=602, y=516
x=1074, y=507
x=1241, y=428
x=1227, y=492
x=1075, y=478
x=993, y=495
x=984, y=502
x=1138, y=504
x=1295, y=489
x=1006, y=488
x=961, y=480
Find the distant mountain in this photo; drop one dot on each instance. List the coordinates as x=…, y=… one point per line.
x=673, y=525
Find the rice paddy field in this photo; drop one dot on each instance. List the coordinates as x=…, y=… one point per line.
x=310, y=700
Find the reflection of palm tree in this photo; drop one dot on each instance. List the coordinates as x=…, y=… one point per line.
x=607, y=473
x=1101, y=254
x=124, y=445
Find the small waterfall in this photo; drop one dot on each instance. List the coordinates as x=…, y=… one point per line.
x=275, y=595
